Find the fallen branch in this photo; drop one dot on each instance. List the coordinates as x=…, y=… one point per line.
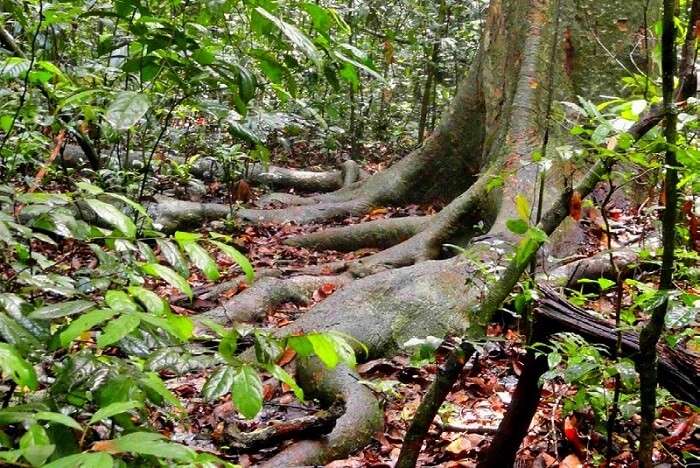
x=678, y=368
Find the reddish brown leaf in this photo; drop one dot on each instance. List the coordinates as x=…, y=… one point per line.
x=575, y=206
x=571, y=461
x=287, y=356
x=572, y=435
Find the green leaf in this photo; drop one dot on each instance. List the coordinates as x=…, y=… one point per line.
x=343, y=349
x=297, y=38
x=247, y=391
x=169, y=276
x=120, y=301
x=36, y=446
x=83, y=460
x=146, y=443
x=113, y=216
x=228, y=345
x=126, y=110
x=153, y=382
x=523, y=207
x=203, y=56
x=324, y=348
x=201, y=259
x=173, y=256
x=282, y=375
x=58, y=418
x=61, y=309
x=118, y=329
x=219, y=383
x=237, y=257
x=301, y=345
x=14, y=366
x=150, y=300
x=83, y=323
x=114, y=409
x=517, y=225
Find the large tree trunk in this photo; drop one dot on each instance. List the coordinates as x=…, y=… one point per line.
x=498, y=119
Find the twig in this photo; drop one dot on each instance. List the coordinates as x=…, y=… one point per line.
x=56, y=150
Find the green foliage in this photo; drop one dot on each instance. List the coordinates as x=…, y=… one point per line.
x=66, y=320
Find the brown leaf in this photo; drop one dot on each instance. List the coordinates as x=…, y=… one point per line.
x=459, y=447
x=575, y=206
x=572, y=435
x=572, y=461
x=105, y=446
x=287, y=356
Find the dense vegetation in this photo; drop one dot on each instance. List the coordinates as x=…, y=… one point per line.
x=482, y=173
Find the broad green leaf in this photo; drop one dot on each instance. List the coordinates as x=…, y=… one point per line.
x=517, y=225
x=201, y=259
x=120, y=302
x=237, y=257
x=297, y=38
x=153, y=382
x=182, y=326
x=324, y=348
x=114, y=409
x=219, y=383
x=342, y=349
x=83, y=460
x=523, y=207
x=169, y=276
x=173, y=256
x=301, y=345
x=58, y=418
x=150, y=300
x=61, y=309
x=35, y=445
x=15, y=367
x=247, y=391
x=118, y=329
x=126, y=109
x=77, y=98
x=83, y=323
x=146, y=443
x=282, y=375
x=228, y=345
x=113, y=216
x=89, y=188
x=138, y=207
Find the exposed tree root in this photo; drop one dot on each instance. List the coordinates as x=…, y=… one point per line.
x=252, y=304
x=284, y=178
x=319, y=422
x=597, y=266
x=171, y=214
x=363, y=417
x=306, y=214
x=381, y=233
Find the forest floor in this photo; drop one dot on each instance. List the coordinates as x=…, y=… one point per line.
x=473, y=409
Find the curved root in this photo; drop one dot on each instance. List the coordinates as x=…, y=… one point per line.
x=309, y=213
x=363, y=417
x=252, y=304
x=171, y=214
x=381, y=233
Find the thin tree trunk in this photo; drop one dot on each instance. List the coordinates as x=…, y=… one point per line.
x=650, y=334
x=431, y=68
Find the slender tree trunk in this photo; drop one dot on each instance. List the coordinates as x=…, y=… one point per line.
x=650, y=334
x=430, y=77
